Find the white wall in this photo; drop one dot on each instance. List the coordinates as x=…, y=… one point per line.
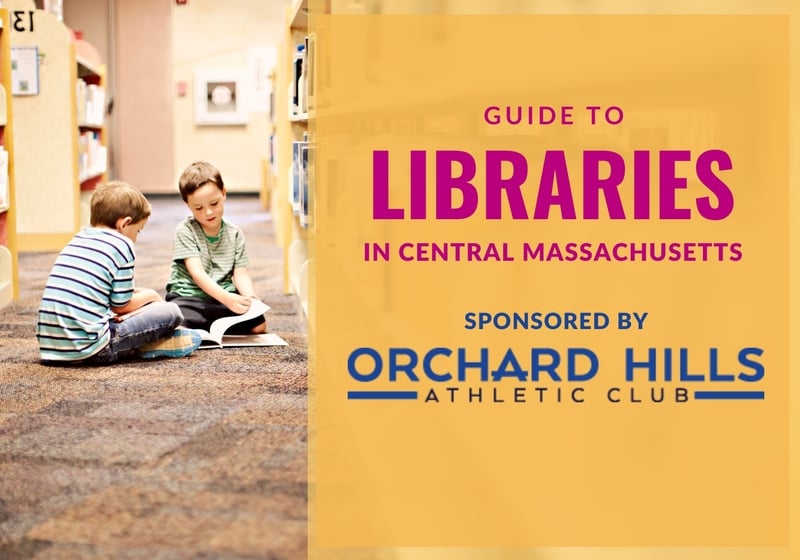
x=213, y=35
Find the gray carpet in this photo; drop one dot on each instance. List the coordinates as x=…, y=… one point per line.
x=198, y=457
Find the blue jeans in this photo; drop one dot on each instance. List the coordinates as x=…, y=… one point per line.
x=156, y=321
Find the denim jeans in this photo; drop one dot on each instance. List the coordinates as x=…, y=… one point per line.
x=156, y=321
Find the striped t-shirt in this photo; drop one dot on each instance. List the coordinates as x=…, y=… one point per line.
x=92, y=274
x=219, y=257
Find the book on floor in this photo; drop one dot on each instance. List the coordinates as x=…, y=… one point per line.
x=215, y=336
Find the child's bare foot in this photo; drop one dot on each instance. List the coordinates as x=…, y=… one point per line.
x=260, y=329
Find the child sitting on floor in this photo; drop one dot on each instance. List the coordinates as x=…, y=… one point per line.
x=91, y=288
x=209, y=277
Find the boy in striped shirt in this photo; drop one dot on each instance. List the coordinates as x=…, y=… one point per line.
x=209, y=277
x=90, y=312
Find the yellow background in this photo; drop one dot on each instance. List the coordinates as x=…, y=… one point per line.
x=400, y=474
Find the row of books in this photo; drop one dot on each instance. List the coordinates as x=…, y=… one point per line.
x=92, y=155
x=302, y=85
x=91, y=103
x=301, y=181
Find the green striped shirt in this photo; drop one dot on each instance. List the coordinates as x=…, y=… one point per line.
x=219, y=258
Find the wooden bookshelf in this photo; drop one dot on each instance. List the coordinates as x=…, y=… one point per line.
x=90, y=123
x=9, y=280
x=48, y=177
x=290, y=126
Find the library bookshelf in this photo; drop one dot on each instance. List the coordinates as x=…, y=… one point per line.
x=292, y=130
x=9, y=280
x=51, y=182
x=90, y=122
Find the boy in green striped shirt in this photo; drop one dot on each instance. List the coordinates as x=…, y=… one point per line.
x=209, y=278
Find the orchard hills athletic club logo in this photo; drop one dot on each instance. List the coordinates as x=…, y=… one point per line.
x=440, y=375
x=489, y=186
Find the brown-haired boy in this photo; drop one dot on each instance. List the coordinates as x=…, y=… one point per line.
x=209, y=277
x=91, y=285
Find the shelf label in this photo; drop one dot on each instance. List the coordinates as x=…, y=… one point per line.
x=23, y=20
x=25, y=70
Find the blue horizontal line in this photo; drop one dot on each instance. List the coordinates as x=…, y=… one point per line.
x=709, y=395
x=406, y=395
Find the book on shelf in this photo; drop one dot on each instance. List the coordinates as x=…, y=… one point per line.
x=90, y=102
x=271, y=146
x=310, y=69
x=92, y=155
x=296, y=175
x=307, y=185
x=296, y=83
x=294, y=178
x=303, y=172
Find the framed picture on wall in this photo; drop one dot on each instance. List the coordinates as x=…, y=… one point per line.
x=220, y=97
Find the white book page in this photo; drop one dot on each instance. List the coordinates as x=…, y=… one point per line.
x=264, y=339
x=218, y=327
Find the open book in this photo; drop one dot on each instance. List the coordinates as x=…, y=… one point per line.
x=215, y=337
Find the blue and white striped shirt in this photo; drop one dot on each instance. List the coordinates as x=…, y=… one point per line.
x=92, y=274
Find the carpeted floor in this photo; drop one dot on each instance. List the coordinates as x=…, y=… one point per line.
x=198, y=457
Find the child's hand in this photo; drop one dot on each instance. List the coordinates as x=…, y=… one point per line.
x=146, y=295
x=237, y=303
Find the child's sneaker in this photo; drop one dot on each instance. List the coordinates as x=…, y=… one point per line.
x=182, y=343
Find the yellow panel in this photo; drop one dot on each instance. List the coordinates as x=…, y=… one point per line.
x=436, y=209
